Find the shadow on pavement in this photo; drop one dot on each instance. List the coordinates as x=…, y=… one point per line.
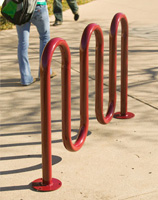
x=55, y=160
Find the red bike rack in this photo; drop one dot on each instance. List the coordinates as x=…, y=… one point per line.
x=119, y=17
x=47, y=183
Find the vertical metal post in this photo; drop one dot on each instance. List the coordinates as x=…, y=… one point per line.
x=47, y=183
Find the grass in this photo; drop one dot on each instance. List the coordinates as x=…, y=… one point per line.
x=5, y=24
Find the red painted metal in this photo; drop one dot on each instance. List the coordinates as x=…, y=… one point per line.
x=84, y=115
x=119, y=17
x=47, y=183
x=84, y=65
x=112, y=69
x=40, y=186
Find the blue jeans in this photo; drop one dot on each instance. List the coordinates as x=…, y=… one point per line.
x=40, y=19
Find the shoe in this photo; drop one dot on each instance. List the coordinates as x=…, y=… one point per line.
x=57, y=23
x=76, y=16
x=51, y=76
x=34, y=80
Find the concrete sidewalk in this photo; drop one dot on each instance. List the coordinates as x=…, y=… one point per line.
x=118, y=161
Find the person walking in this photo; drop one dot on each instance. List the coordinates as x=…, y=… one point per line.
x=57, y=10
x=40, y=19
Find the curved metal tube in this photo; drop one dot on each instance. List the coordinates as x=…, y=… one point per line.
x=84, y=48
x=47, y=183
x=66, y=110
x=46, y=102
x=120, y=17
x=66, y=86
x=112, y=69
x=66, y=99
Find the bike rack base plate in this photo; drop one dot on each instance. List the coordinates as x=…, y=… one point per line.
x=128, y=115
x=38, y=185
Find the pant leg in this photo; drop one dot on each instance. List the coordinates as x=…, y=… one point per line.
x=23, y=32
x=57, y=10
x=73, y=5
x=41, y=20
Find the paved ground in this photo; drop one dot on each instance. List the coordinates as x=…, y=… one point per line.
x=118, y=161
